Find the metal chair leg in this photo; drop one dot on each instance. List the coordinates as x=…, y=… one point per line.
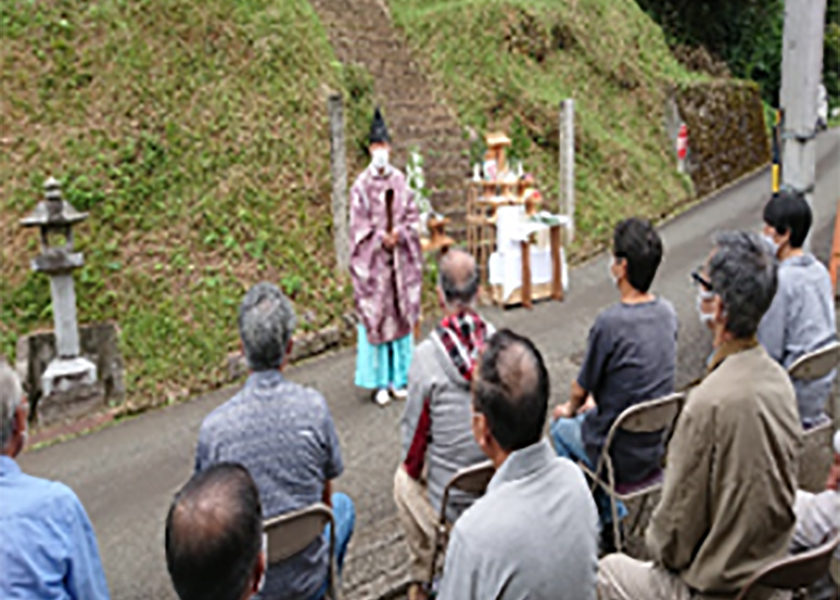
x=638, y=516
x=614, y=508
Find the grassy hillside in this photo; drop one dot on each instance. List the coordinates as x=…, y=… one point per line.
x=195, y=134
x=507, y=64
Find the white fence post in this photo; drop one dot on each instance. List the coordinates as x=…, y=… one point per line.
x=567, y=163
x=338, y=168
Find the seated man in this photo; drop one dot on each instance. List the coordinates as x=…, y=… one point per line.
x=801, y=318
x=48, y=547
x=630, y=357
x=214, y=536
x=284, y=435
x=534, y=533
x=818, y=516
x=727, y=503
x=435, y=426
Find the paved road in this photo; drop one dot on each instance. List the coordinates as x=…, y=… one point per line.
x=126, y=474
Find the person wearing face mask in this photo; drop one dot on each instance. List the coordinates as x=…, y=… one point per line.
x=727, y=504
x=386, y=268
x=47, y=545
x=801, y=318
x=630, y=357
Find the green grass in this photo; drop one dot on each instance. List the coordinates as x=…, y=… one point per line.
x=507, y=64
x=196, y=135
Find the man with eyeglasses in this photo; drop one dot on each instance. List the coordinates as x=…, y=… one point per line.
x=727, y=501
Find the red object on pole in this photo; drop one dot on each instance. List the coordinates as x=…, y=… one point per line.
x=682, y=142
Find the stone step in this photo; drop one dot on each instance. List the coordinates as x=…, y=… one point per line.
x=437, y=152
x=416, y=130
x=435, y=116
x=414, y=105
x=361, y=32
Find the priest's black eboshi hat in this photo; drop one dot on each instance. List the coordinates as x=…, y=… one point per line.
x=378, y=129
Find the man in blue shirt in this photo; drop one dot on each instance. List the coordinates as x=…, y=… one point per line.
x=284, y=435
x=801, y=318
x=47, y=545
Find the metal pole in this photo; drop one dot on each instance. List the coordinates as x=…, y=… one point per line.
x=338, y=168
x=801, y=67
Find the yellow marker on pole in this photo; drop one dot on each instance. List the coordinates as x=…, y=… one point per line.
x=776, y=168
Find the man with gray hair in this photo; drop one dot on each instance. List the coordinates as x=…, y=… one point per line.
x=284, y=435
x=727, y=503
x=435, y=427
x=47, y=545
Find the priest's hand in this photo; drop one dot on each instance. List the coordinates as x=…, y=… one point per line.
x=389, y=240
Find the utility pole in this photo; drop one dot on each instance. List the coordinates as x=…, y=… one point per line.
x=802, y=50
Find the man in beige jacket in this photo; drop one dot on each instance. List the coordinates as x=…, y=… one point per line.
x=730, y=481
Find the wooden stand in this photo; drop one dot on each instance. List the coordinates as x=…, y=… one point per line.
x=437, y=240
x=483, y=201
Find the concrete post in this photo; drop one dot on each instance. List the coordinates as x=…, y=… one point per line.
x=567, y=163
x=338, y=168
x=801, y=70
x=63, y=296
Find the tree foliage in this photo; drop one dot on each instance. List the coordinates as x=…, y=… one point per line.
x=747, y=35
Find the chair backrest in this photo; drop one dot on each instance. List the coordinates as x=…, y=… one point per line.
x=290, y=533
x=795, y=571
x=658, y=414
x=816, y=364
x=473, y=479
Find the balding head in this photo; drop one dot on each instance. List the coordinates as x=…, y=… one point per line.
x=214, y=535
x=511, y=390
x=458, y=278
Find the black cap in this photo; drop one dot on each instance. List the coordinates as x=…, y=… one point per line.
x=378, y=130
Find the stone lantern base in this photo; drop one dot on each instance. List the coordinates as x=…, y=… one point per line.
x=61, y=389
x=65, y=374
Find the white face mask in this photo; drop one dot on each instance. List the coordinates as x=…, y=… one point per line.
x=261, y=584
x=379, y=158
x=771, y=243
x=703, y=295
x=610, y=264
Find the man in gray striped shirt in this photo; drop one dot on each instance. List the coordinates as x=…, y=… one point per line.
x=284, y=435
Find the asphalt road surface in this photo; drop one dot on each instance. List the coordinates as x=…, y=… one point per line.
x=126, y=474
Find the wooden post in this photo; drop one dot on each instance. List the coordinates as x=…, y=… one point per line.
x=526, y=274
x=834, y=259
x=556, y=264
x=338, y=169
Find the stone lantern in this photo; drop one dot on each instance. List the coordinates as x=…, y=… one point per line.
x=56, y=218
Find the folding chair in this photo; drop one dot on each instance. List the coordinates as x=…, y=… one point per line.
x=815, y=365
x=290, y=533
x=472, y=480
x=649, y=416
x=795, y=572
